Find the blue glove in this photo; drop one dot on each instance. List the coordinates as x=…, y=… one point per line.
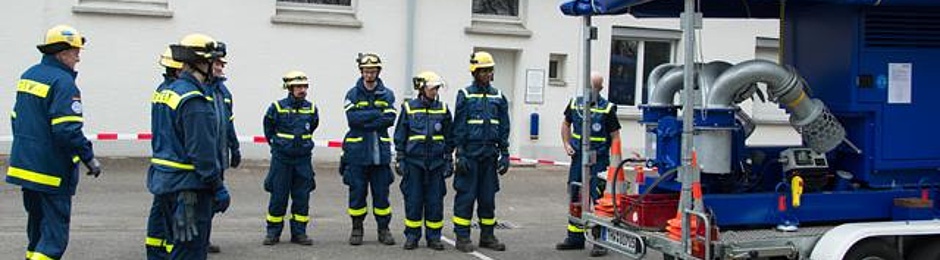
x=184, y=217
x=503, y=166
x=222, y=200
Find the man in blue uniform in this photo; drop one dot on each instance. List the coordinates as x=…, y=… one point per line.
x=229, y=148
x=288, y=126
x=186, y=168
x=481, y=136
x=48, y=142
x=424, y=158
x=157, y=239
x=370, y=111
x=605, y=130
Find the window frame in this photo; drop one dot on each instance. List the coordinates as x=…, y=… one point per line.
x=148, y=8
x=317, y=14
x=502, y=25
x=642, y=35
x=562, y=64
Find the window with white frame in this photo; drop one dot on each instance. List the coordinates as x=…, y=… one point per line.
x=556, y=69
x=634, y=53
x=340, y=13
x=152, y=8
x=498, y=17
x=767, y=111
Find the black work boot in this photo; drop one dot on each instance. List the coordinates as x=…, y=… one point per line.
x=270, y=240
x=570, y=244
x=490, y=242
x=301, y=240
x=355, y=237
x=598, y=251
x=213, y=249
x=385, y=237
x=464, y=244
x=436, y=244
x=410, y=244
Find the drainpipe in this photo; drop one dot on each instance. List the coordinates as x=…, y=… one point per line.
x=410, y=16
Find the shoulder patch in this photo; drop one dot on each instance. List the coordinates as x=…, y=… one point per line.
x=77, y=107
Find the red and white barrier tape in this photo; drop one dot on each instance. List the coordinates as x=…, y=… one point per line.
x=259, y=139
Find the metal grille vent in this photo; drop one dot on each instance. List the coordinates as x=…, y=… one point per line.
x=902, y=28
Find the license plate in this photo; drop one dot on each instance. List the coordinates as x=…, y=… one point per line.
x=627, y=242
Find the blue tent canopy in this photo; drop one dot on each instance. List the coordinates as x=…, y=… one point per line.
x=713, y=8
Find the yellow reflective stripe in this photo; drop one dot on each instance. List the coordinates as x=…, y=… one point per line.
x=29, y=254
x=434, y=224
x=475, y=121
x=494, y=121
x=385, y=139
x=437, y=138
x=169, y=248
x=152, y=241
x=409, y=111
x=438, y=111
x=380, y=103
x=413, y=223
x=301, y=218
x=575, y=229
x=40, y=256
x=362, y=104
x=171, y=99
x=499, y=94
x=390, y=110
x=348, y=107
x=460, y=221
x=416, y=137
x=488, y=221
x=593, y=139
x=357, y=212
x=172, y=164
x=287, y=136
x=36, y=177
x=75, y=159
x=306, y=137
x=65, y=119
x=231, y=118
x=209, y=98
x=13, y=114
x=353, y=139
x=307, y=111
x=274, y=219
x=227, y=100
x=382, y=212
x=32, y=87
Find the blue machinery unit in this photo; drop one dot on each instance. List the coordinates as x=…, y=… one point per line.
x=872, y=136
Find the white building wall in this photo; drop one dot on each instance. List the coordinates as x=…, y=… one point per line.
x=118, y=70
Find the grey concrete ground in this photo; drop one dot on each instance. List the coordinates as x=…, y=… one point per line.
x=109, y=216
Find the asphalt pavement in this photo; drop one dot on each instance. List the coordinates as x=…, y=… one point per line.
x=109, y=218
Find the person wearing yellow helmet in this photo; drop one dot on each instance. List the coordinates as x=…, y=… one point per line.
x=47, y=121
x=424, y=158
x=188, y=126
x=157, y=243
x=481, y=135
x=370, y=112
x=288, y=126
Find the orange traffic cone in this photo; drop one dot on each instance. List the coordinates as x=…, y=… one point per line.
x=605, y=205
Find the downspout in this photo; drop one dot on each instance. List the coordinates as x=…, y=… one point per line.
x=410, y=24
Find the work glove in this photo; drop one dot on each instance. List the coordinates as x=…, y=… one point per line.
x=184, y=218
x=399, y=163
x=222, y=200
x=461, y=167
x=342, y=164
x=236, y=158
x=94, y=167
x=448, y=167
x=503, y=165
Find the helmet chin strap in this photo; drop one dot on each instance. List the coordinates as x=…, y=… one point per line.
x=205, y=73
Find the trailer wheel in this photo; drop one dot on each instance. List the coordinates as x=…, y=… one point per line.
x=872, y=249
x=926, y=251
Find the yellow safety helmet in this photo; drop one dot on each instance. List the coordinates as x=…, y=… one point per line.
x=197, y=48
x=61, y=37
x=427, y=79
x=166, y=60
x=481, y=59
x=369, y=60
x=293, y=78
